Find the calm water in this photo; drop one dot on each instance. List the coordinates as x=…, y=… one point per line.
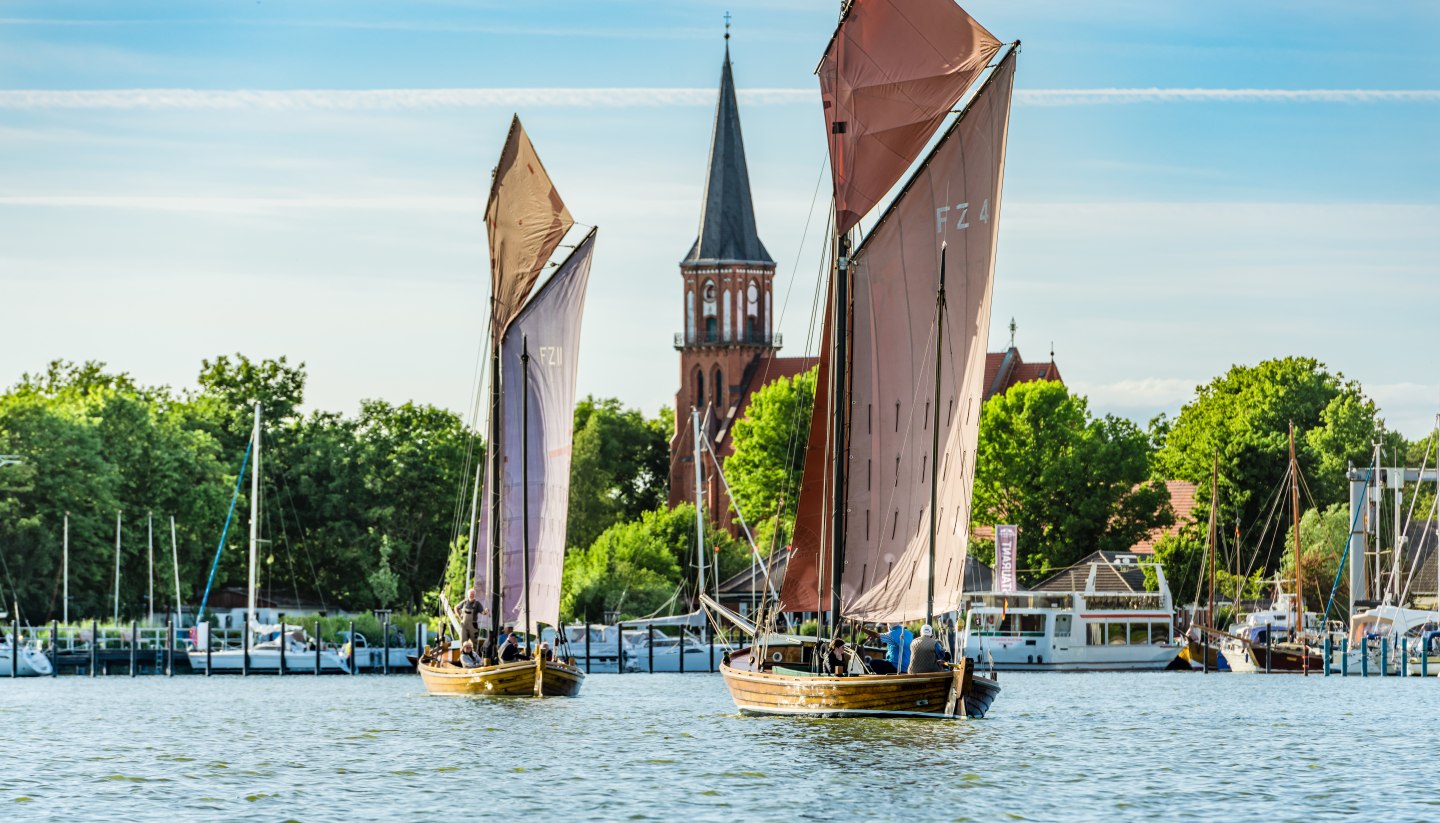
x=1077, y=746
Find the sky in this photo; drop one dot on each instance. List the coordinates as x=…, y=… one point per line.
x=1189, y=186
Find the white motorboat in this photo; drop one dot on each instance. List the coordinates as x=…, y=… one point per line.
x=30, y=662
x=1085, y=630
x=265, y=653
x=1379, y=632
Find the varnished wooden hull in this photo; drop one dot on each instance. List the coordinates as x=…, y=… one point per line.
x=945, y=694
x=505, y=680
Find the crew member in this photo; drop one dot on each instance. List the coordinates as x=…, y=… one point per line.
x=925, y=652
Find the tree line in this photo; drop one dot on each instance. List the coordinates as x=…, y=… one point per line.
x=368, y=510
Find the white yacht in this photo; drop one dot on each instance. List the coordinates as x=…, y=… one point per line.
x=264, y=652
x=1106, y=621
x=31, y=661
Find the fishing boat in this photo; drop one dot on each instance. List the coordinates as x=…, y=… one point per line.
x=884, y=506
x=534, y=348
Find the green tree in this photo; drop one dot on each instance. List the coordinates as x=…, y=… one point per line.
x=1243, y=417
x=619, y=467
x=1185, y=561
x=769, y=451
x=384, y=583
x=638, y=567
x=1323, y=535
x=1071, y=483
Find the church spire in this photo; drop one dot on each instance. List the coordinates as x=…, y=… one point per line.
x=727, y=214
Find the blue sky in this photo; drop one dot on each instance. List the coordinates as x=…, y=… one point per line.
x=179, y=180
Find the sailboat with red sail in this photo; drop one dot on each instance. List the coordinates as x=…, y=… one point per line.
x=884, y=508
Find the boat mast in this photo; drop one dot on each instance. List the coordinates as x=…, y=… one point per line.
x=65, y=606
x=838, y=439
x=175, y=561
x=1214, y=505
x=525, y=478
x=493, y=455
x=254, y=522
x=935, y=439
x=700, y=515
x=116, y=616
x=150, y=552
x=1295, y=519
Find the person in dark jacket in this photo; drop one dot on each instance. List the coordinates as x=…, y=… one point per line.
x=836, y=660
x=511, y=651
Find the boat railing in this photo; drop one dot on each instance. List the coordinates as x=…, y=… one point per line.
x=83, y=637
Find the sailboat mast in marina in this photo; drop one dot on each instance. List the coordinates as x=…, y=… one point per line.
x=884, y=511
x=534, y=348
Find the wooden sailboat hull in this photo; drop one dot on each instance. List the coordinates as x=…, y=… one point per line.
x=941, y=695
x=515, y=679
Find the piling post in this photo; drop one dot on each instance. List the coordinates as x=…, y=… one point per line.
x=134, y=641
x=1327, y=655
x=1267, y=651
x=283, y=644
x=354, y=656
x=245, y=650
x=169, y=647
x=1365, y=657
x=54, y=648
x=15, y=647
x=1384, y=655
x=1344, y=657
x=1404, y=656
x=317, y=648
x=587, y=648
x=209, y=644
x=385, y=646
x=710, y=635
x=681, y=646
x=1204, y=652
x=1425, y=658
x=94, y=642
x=650, y=645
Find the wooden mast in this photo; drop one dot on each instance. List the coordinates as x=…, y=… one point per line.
x=838, y=439
x=1299, y=628
x=935, y=441
x=525, y=480
x=493, y=456
x=1214, y=492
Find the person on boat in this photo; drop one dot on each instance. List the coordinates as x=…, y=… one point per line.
x=468, y=658
x=836, y=660
x=470, y=611
x=510, y=651
x=925, y=652
x=897, y=646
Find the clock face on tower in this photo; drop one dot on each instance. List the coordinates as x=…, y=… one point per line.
x=709, y=292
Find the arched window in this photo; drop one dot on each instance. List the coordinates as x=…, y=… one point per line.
x=752, y=314
x=709, y=310
x=719, y=394
x=699, y=389
x=689, y=316
x=727, y=297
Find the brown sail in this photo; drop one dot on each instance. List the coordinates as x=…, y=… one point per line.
x=807, y=573
x=526, y=220
x=952, y=202
x=893, y=70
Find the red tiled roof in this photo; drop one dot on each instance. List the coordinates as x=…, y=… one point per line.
x=1004, y=369
x=762, y=370
x=1182, y=500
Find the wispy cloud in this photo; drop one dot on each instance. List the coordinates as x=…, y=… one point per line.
x=627, y=97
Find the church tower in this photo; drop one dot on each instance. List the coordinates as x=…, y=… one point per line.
x=727, y=302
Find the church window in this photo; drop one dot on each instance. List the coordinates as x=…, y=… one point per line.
x=719, y=389
x=699, y=389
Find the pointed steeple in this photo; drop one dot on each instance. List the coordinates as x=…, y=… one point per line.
x=727, y=215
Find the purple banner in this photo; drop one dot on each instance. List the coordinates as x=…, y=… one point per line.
x=1006, y=538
